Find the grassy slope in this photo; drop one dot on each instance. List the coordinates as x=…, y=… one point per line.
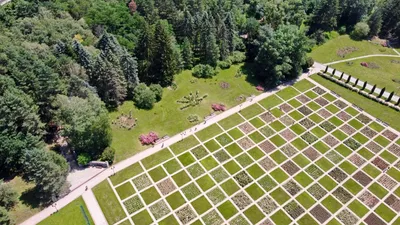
x=167, y=119
x=327, y=52
x=71, y=214
x=382, y=77
x=23, y=210
x=384, y=113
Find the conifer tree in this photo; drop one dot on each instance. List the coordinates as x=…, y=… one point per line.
x=208, y=42
x=109, y=81
x=187, y=54
x=164, y=63
x=144, y=53
x=84, y=57
x=187, y=27
x=130, y=69
x=231, y=32
x=223, y=42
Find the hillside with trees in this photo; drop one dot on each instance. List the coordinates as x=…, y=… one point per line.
x=65, y=64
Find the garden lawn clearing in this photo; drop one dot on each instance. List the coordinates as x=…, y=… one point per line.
x=166, y=114
x=328, y=52
x=383, y=76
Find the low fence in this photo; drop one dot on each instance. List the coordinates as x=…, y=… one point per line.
x=353, y=87
x=373, y=89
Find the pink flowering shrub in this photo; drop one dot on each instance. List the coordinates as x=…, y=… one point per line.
x=218, y=107
x=149, y=139
x=260, y=88
x=364, y=64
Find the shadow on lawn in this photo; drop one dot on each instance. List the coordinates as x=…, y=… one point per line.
x=248, y=69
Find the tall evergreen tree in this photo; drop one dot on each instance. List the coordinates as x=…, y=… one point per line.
x=20, y=125
x=84, y=57
x=187, y=54
x=144, y=53
x=109, y=81
x=109, y=46
x=325, y=15
x=187, y=27
x=223, y=42
x=47, y=170
x=130, y=69
x=208, y=42
x=164, y=63
x=375, y=22
x=210, y=48
x=231, y=32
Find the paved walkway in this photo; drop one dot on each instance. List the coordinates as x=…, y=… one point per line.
x=3, y=2
x=141, y=155
x=94, y=209
x=362, y=57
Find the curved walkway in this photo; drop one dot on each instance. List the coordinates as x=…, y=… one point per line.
x=363, y=57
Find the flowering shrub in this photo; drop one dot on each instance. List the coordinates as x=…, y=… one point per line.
x=342, y=52
x=370, y=65
x=260, y=88
x=149, y=139
x=218, y=107
x=132, y=7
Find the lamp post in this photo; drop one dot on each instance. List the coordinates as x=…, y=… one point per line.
x=55, y=206
x=113, y=169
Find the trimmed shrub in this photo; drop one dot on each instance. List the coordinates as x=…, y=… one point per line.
x=4, y=217
x=83, y=159
x=226, y=64
x=8, y=196
x=204, y=71
x=348, y=79
x=309, y=63
x=355, y=84
x=157, y=90
x=373, y=89
x=381, y=93
x=361, y=30
x=193, y=118
x=364, y=85
x=108, y=155
x=237, y=57
x=143, y=97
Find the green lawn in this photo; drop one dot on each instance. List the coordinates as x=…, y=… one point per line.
x=65, y=215
x=382, y=76
x=328, y=52
x=386, y=114
x=167, y=119
x=108, y=202
x=23, y=210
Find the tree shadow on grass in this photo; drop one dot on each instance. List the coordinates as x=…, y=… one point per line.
x=30, y=198
x=248, y=69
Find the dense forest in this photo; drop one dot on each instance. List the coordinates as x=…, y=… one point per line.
x=65, y=63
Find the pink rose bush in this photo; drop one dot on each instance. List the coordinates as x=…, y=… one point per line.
x=149, y=139
x=218, y=107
